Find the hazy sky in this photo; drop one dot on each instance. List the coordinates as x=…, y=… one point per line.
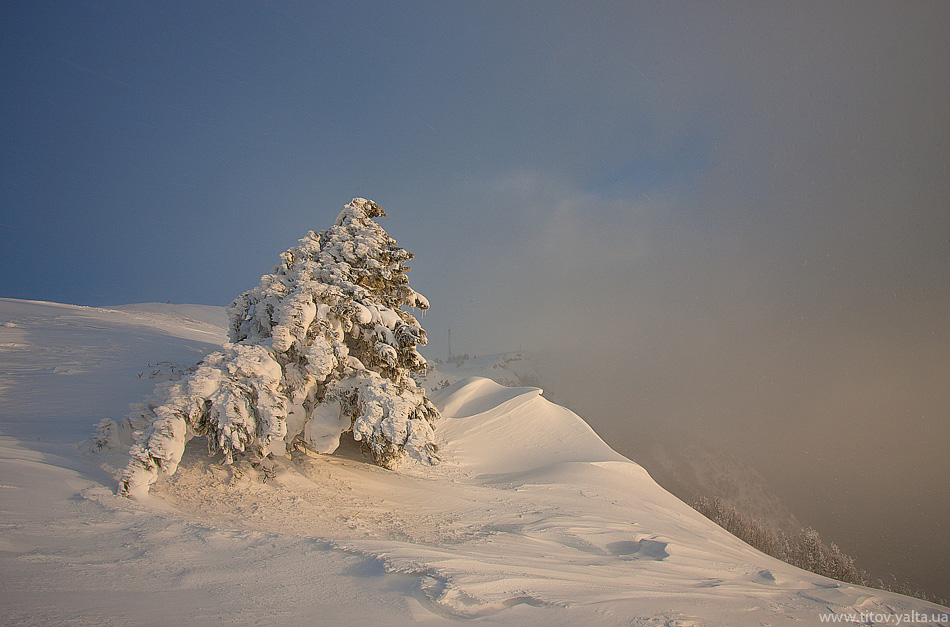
x=733, y=217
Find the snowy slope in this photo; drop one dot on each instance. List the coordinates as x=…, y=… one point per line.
x=215, y=316
x=530, y=520
x=686, y=464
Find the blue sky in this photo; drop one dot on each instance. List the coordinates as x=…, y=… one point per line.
x=175, y=148
x=736, y=214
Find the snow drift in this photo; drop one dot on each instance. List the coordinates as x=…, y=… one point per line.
x=530, y=520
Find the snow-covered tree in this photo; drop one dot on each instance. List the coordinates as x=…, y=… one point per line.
x=813, y=554
x=321, y=347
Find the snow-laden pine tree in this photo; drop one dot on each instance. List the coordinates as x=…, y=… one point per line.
x=321, y=347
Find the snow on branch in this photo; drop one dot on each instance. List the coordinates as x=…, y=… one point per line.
x=321, y=347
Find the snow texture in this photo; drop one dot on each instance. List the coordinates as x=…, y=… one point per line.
x=530, y=520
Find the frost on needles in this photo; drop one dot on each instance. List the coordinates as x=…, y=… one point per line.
x=320, y=348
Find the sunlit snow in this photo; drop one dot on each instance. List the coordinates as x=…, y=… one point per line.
x=530, y=519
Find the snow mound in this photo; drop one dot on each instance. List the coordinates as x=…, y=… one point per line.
x=498, y=430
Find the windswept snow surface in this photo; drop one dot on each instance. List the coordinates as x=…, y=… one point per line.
x=530, y=520
x=215, y=316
